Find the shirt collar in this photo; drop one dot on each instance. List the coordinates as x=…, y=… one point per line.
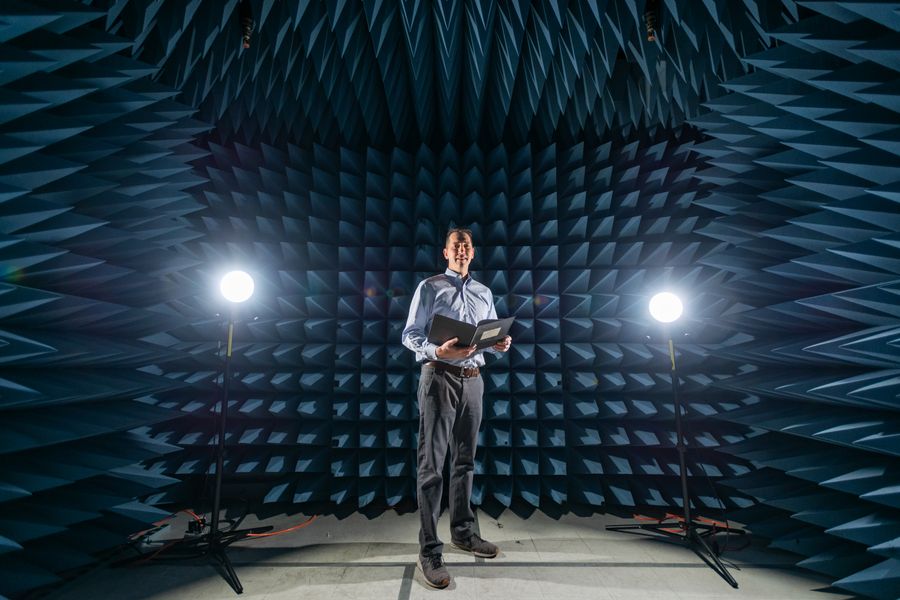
x=454, y=275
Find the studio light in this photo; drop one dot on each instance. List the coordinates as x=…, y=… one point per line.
x=236, y=286
x=666, y=307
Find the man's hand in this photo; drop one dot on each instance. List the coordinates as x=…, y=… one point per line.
x=448, y=350
x=503, y=345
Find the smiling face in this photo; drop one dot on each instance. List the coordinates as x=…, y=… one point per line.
x=459, y=252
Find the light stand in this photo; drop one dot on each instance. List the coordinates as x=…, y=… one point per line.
x=217, y=541
x=686, y=530
x=237, y=287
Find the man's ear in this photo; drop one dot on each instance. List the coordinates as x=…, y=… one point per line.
x=446, y=256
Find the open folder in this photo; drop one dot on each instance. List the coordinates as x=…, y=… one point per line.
x=486, y=333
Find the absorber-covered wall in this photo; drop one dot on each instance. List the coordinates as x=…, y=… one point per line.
x=95, y=183
x=806, y=166
x=332, y=154
x=570, y=240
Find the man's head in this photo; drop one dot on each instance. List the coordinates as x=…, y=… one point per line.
x=459, y=250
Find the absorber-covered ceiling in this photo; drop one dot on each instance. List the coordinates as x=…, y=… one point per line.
x=405, y=73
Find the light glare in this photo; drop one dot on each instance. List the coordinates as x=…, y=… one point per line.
x=236, y=286
x=665, y=307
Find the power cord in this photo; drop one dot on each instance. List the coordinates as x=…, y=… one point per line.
x=197, y=524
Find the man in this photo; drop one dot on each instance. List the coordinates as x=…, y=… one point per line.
x=450, y=391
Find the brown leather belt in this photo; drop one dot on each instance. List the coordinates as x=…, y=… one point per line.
x=458, y=371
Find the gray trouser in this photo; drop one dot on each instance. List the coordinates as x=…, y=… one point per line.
x=449, y=416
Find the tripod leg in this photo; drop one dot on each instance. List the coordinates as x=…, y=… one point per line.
x=228, y=571
x=710, y=558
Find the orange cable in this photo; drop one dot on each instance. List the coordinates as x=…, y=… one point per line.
x=156, y=524
x=191, y=513
x=171, y=543
x=289, y=529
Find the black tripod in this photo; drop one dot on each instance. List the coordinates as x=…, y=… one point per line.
x=215, y=542
x=688, y=530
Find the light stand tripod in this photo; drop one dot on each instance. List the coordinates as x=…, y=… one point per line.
x=215, y=542
x=237, y=287
x=688, y=530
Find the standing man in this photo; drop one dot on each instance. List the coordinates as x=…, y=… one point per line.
x=450, y=391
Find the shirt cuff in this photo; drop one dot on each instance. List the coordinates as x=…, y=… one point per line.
x=430, y=350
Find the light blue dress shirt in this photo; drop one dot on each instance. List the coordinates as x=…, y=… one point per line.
x=452, y=296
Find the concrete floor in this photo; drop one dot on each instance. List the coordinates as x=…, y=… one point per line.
x=541, y=559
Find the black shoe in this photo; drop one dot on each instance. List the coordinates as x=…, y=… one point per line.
x=477, y=546
x=436, y=574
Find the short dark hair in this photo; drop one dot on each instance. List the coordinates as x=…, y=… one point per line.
x=462, y=230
